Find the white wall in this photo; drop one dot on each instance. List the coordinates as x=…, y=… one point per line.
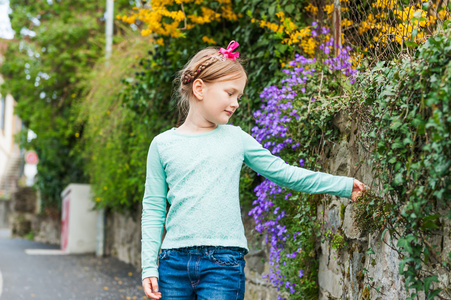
x=9, y=150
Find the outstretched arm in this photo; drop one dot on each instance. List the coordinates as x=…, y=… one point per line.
x=275, y=169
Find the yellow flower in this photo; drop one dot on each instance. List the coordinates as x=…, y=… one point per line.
x=311, y=8
x=206, y=39
x=160, y=41
x=280, y=15
x=443, y=14
x=346, y=23
x=77, y=135
x=329, y=9
x=308, y=45
x=390, y=4
x=227, y=13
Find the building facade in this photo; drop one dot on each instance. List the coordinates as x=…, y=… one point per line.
x=11, y=156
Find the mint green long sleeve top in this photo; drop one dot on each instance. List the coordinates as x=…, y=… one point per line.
x=198, y=175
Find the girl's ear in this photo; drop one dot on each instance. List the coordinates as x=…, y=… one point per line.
x=198, y=89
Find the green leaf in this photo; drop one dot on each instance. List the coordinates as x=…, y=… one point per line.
x=290, y=8
x=272, y=9
x=397, y=145
x=370, y=251
x=411, y=44
x=434, y=293
x=428, y=281
x=282, y=47
x=404, y=244
x=407, y=141
x=395, y=125
x=429, y=222
x=414, y=33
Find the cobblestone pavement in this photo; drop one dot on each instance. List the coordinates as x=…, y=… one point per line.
x=61, y=277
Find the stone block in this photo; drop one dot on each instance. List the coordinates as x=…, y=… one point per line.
x=47, y=229
x=24, y=200
x=349, y=227
x=341, y=121
x=329, y=275
x=123, y=237
x=255, y=260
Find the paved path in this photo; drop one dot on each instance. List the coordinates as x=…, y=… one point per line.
x=58, y=277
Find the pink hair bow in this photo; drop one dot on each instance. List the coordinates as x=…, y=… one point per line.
x=227, y=53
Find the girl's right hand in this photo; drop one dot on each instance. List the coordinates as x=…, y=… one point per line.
x=150, y=286
x=357, y=189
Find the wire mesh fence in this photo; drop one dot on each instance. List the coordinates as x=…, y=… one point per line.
x=381, y=29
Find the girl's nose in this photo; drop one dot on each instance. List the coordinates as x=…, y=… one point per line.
x=235, y=104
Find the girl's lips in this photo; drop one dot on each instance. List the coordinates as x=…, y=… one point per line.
x=229, y=112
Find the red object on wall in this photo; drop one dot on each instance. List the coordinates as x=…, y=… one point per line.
x=31, y=158
x=65, y=222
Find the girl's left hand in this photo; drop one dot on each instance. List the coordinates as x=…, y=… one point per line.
x=357, y=188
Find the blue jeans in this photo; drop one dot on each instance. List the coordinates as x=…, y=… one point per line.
x=202, y=273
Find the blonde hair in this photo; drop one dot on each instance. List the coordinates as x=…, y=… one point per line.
x=210, y=66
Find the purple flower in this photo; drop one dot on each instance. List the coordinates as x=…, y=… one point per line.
x=272, y=130
x=326, y=50
x=301, y=162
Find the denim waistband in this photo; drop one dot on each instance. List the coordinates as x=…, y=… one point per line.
x=203, y=249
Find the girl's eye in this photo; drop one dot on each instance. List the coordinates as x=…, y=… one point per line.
x=230, y=94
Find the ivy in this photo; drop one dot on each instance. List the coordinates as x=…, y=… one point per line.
x=406, y=104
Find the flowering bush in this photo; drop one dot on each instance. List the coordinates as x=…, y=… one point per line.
x=164, y=17
x=384, y=21
x=294, y=121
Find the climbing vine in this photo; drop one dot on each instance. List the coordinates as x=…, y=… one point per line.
x=405, y=107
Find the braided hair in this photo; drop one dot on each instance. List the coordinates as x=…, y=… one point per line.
x=189, y=76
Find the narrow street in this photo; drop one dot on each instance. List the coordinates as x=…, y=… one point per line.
x=54, y=277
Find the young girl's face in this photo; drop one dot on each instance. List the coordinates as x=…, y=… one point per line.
x=220, y=100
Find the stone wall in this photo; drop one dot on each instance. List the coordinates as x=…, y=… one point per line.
x=256, y=264
x=22, y=211
x=4, y=213
x=24, y=220
x=47, y=228
x=345, y=273
x=342, y=272
x=123, y=237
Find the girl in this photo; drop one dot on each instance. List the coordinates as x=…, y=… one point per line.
x=196, y=168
